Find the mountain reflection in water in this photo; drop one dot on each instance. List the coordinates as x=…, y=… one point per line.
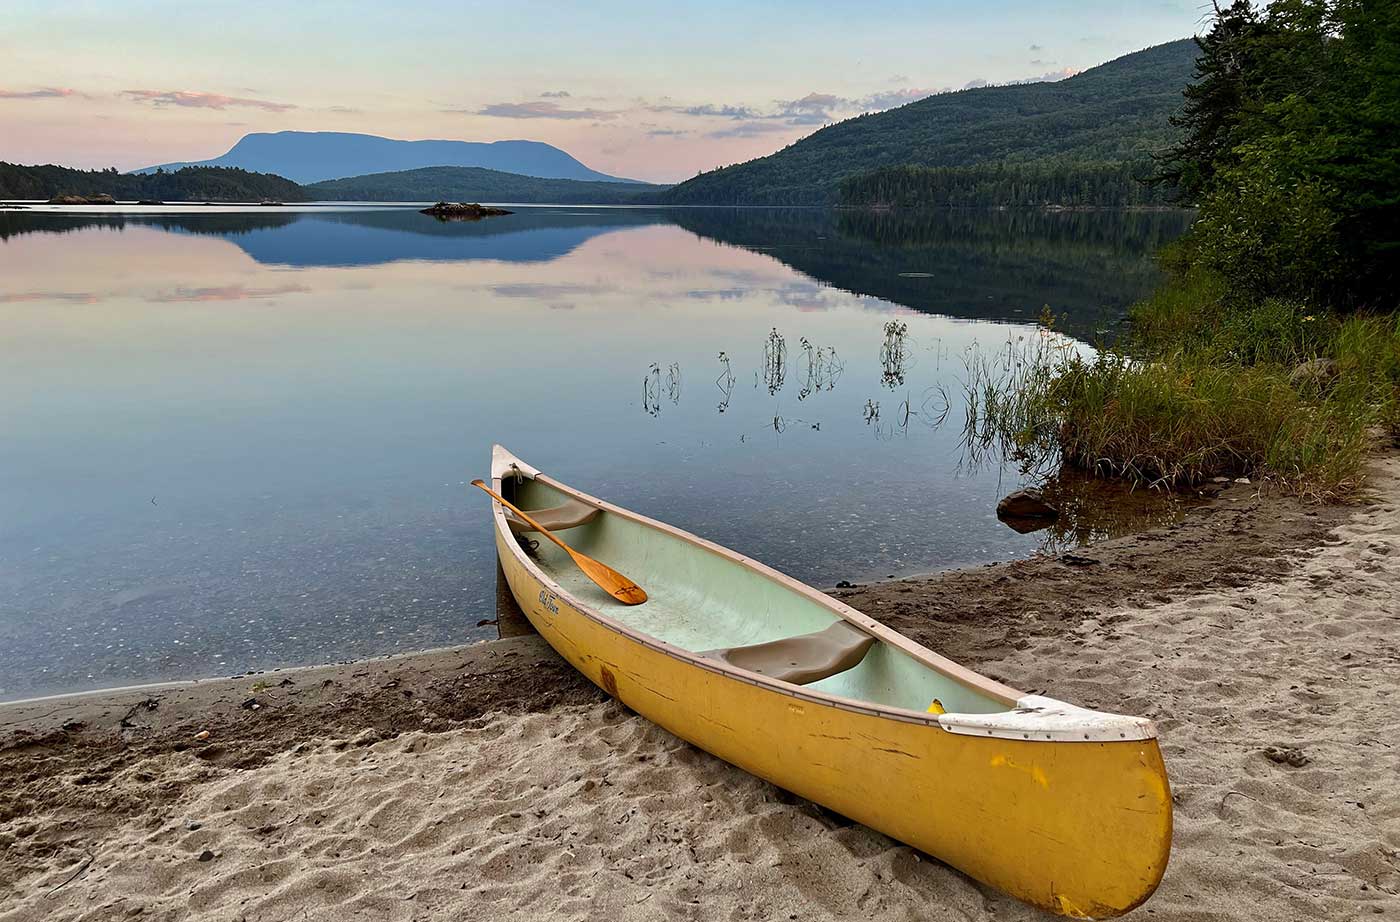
x=1086, y=267
x=239, y=439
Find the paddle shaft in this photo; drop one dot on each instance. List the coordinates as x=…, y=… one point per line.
x=529, y=521
x=608, y=579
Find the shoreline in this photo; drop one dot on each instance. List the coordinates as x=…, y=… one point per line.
x=251, y=675
x=1156, y=623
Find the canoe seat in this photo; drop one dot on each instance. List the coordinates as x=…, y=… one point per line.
x=803, y=659
x=570, y=515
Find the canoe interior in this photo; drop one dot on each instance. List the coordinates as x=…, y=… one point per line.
x=700, y=600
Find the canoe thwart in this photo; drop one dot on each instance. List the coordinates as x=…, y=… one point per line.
x=802, y=659
x=571, y=514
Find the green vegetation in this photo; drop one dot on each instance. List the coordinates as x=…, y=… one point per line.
x=1036, y=182
x=1185, y=417
x=474, y=184
x=1115, y=113
x=229, y=184
x=192, y=184
x=1274, y=351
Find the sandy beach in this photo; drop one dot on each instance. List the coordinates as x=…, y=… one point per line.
x=492, y=782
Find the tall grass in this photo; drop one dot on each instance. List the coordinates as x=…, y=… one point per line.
x=1202, y=389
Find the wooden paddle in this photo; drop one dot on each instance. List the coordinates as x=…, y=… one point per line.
x=611, y=581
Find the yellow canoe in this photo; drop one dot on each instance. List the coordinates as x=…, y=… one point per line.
x=1065, y=808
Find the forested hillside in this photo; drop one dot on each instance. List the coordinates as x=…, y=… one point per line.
x=1044, y=182
x=475, y=184
x=1273, y=349
x=192, y=184
x=1117, y=112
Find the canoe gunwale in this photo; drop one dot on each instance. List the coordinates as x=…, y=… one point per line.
x=1028, y=717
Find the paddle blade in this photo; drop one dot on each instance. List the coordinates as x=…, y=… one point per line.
x=611, y=581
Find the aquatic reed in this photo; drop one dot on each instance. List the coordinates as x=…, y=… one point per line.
x=1200, y=390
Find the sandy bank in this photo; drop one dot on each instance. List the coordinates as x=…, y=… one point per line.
x=490, y=782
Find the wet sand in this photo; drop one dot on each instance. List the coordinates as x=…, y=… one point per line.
x=493, y=782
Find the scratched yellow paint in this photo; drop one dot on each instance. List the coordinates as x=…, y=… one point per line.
x=1082, y=829
x=1034, y=770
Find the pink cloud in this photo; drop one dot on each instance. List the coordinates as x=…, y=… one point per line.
x=46, y=92
x=74, y=297
x=541, y=110
x=226, y=293
x=195, y=100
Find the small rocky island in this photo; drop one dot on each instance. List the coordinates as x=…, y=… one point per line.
x=100, y=199
x=462, y=211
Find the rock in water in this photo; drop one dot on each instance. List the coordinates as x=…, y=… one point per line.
x=468, y=211
x=1026, y=504
x=100, y=199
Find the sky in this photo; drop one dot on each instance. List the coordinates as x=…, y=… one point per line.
x=648, y=91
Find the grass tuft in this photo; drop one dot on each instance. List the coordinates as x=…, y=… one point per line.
x=1202, y=389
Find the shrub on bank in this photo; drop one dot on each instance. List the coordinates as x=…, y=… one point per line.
x=1204, y=388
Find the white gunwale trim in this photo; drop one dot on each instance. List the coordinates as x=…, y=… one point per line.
x=1033, y=717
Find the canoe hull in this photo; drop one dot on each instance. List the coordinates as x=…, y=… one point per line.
x=1082, y=829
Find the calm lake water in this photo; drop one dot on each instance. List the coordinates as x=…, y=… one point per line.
x=235, y=440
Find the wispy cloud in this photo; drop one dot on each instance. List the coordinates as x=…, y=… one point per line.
x=1051, y=76
x=712, y=110
x=750, y=129
x=538, y=110
x=44, y=92
x=196, y=100
x=813, y=109
x=225, y=293
x=73, y=297
x=544, y=291
x=1048, y=77
x=894, y=98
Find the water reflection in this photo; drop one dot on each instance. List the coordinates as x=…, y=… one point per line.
x=306, y=394
x=725, y=382
x=976, y=264
x=893, y=359
x=365, y=237
x=654, y=387
x=824, y=369
x=1086, y=267
x=774, y=373
x=1091, y=509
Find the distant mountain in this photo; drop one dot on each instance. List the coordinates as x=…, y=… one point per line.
x=474, y=184
x=313, y=156
x=192, y=184
x=1116, y=112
